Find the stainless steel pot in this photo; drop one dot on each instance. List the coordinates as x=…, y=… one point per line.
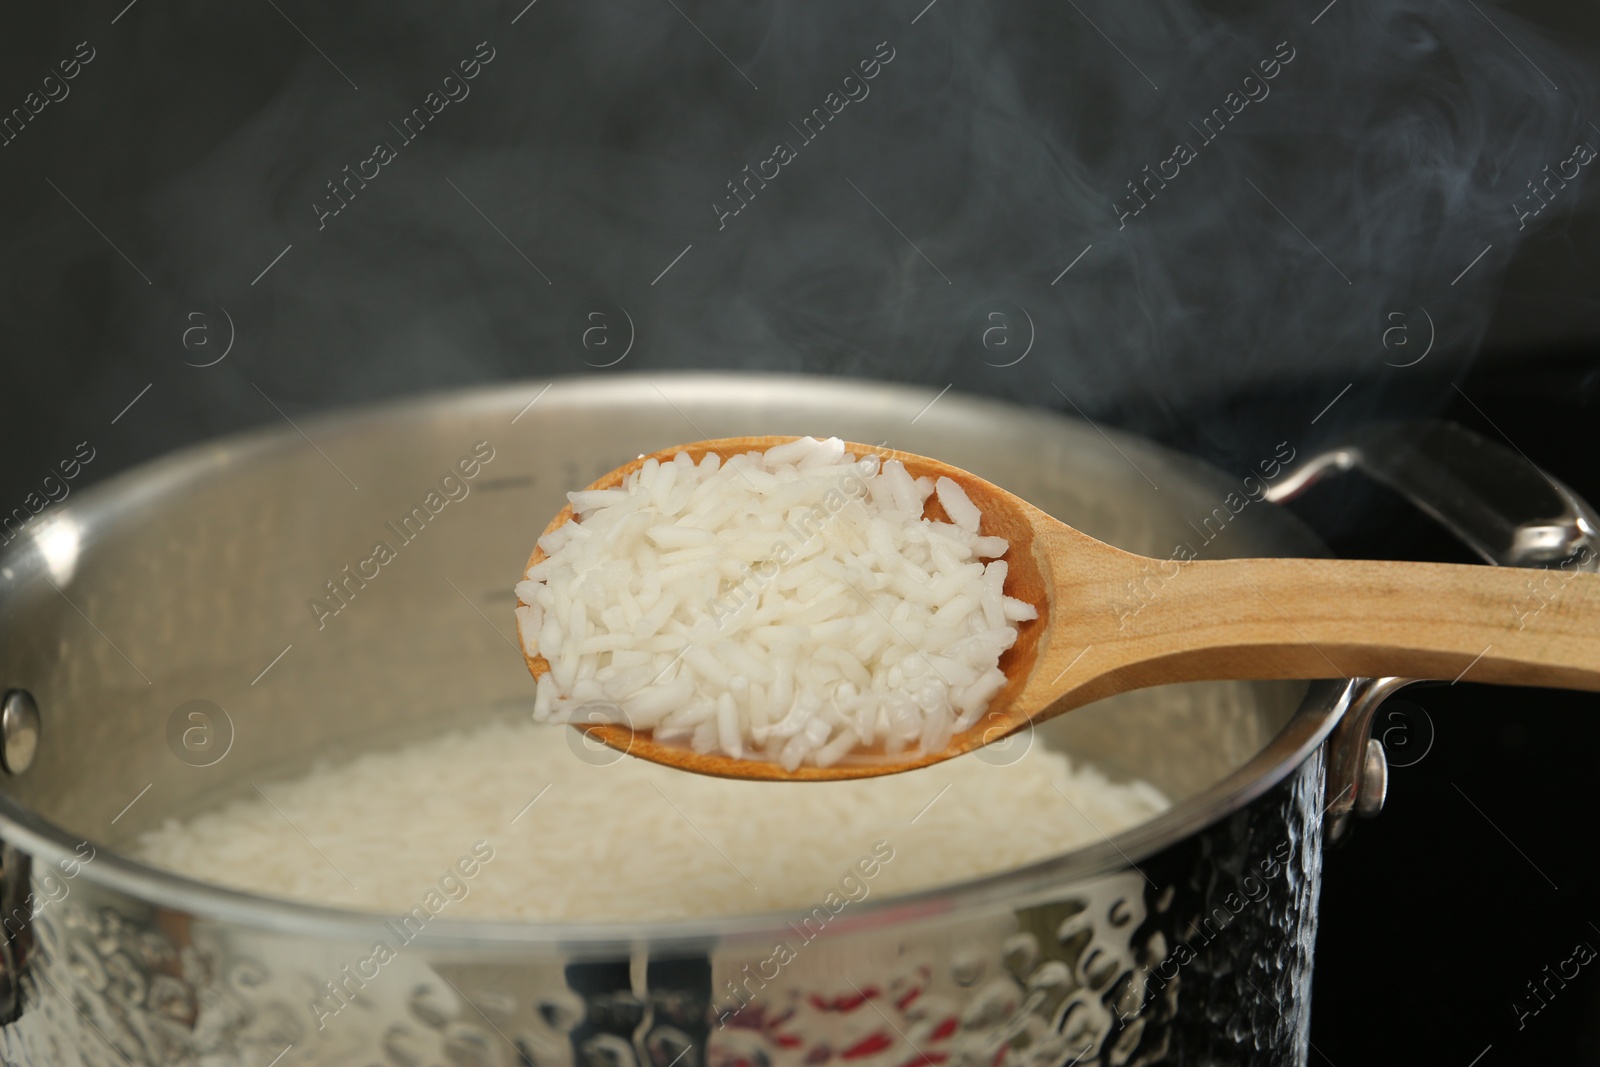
x=1187, y=938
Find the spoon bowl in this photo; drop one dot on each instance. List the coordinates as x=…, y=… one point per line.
x=1249, y=619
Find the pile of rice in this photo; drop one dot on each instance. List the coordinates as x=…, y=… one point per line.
x=630, y=840
x=789, y=606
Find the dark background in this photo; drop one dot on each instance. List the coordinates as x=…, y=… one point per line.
x=1432, y=921
x=997, y=140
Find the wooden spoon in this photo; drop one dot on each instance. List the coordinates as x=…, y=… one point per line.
x=1204, y=619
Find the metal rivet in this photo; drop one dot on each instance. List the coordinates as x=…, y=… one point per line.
x=1374, y=788
x=19, y=731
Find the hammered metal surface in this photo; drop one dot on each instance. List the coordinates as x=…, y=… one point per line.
x=1246, y=895
x=1097, y=974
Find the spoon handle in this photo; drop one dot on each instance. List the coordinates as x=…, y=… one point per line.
x=1319, y=618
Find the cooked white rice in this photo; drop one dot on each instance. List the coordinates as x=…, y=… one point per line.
x=789, y=605
x=629, y=840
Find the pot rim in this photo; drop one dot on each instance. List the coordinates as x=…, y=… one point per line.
x=1320, y=710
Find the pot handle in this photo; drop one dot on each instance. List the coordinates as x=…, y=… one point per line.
x=1495, y=501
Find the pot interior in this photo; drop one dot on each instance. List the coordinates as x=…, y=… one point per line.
x=205, y=584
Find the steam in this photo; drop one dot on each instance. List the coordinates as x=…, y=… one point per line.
x=995, y=149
